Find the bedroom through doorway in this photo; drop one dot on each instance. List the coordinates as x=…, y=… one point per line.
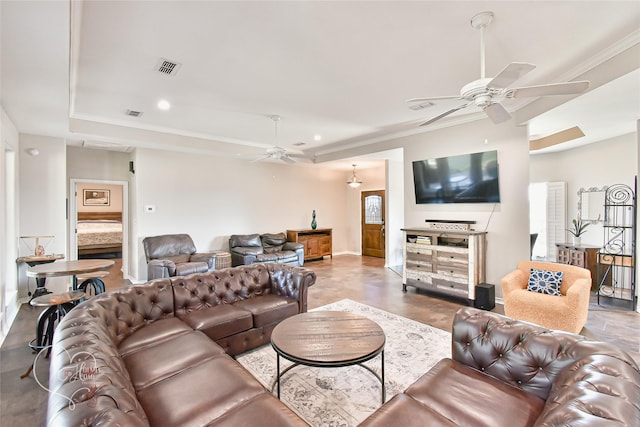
x=98, y=223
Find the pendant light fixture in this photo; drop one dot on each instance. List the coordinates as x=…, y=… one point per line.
x=354, y=182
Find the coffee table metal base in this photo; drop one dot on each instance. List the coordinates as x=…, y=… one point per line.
x=358, y=362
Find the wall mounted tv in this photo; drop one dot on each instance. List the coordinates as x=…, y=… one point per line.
x=467, y=178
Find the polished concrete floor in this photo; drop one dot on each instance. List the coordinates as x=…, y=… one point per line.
x=362, y=279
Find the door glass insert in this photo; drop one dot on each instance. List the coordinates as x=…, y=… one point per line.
x=373, y=209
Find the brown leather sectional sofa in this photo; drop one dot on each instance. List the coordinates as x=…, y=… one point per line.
x=159, y=353
x=505, y=372
x=154, y=355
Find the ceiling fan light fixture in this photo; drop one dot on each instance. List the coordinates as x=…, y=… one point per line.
x=353, y=181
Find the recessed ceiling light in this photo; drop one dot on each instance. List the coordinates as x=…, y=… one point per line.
x=317, y=137
x=164, y=105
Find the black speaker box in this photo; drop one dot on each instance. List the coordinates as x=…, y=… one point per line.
x=485, y=296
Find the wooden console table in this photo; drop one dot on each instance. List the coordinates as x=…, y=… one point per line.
x=317, y=243
x=585, y=256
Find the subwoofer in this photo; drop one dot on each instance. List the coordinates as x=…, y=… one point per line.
x=485, y=296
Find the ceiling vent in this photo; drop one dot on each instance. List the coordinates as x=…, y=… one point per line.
x=133, y=113
x=168, y=67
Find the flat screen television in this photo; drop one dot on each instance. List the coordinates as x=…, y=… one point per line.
x=467, y=178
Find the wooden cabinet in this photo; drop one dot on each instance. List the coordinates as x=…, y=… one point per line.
x=317, y=243
x=585, y=256
x=445, y=262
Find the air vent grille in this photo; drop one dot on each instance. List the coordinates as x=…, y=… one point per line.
x=133, y=113
x=168, y=67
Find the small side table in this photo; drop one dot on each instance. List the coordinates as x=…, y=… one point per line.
x=58, y=305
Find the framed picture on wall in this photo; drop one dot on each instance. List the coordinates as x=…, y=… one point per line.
x=96, y=198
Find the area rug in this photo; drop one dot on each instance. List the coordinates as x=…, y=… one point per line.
x=343, y=397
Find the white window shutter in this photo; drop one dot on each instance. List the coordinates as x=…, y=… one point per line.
x=556, y=216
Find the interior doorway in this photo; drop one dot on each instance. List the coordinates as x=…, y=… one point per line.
x=373, y=225
x=98, y=222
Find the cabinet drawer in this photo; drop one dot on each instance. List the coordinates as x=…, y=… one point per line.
x=427, y=256
x=416, y=248
x=460, y=271
x=419, y=265
x=452, y=257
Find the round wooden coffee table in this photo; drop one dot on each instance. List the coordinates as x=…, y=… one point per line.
x=328, y=339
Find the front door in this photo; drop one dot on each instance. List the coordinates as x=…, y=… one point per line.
x=373, y=209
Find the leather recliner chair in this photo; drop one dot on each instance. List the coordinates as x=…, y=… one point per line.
x=175, y=255
x=249, y=248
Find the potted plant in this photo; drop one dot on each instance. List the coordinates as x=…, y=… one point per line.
x=577, y=229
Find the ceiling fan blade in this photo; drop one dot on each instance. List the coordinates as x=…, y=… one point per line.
x=433, y=98
x=510, y=74
x=287, y=159
x=497, y=113
x=446, y=113
x=568, y=88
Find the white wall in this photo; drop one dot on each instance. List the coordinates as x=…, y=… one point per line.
x=604, y=163
x=507, y=222
x=373, y=179
x=43, y=193
x=395, y=211
x=212, y=197
x=9, y=145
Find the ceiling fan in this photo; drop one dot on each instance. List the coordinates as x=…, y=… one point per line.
x=486, y=93
x=276, y=152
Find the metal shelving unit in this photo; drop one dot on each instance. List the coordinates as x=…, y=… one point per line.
x=616, y=258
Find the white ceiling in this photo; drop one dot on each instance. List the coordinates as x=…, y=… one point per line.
x=340, y=69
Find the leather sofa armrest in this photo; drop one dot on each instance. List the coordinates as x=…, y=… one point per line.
x=160, y=269
x=244, y=255
x=209, y=258
x=292, y=282
x=296, y=247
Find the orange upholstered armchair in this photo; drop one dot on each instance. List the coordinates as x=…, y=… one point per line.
x=566, y=312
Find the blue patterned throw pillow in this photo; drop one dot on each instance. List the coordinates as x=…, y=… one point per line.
x=545, y=282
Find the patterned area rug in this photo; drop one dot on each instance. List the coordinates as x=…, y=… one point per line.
x=343, y=397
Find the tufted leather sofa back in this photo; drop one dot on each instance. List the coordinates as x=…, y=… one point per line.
x=524, y=355
x=86, y=345
x=226, y=286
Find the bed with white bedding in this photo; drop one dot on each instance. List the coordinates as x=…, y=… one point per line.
x=99, y=233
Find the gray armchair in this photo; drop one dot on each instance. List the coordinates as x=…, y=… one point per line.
x=175, y=255
x=249, y=248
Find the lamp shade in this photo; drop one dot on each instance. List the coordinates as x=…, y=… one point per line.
x=353, y=181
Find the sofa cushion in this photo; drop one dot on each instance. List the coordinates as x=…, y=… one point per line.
x=200, y=394
x=273, y=242
x=545, y=282
x=264, y=410
x=469, y=393
x=268, y=308
x=286, y=256
x=160, y=360
x=245, y=240
x=267, y=257
x=191, y=267
x=155, y=332
x=403, y=410
x=220, y=321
